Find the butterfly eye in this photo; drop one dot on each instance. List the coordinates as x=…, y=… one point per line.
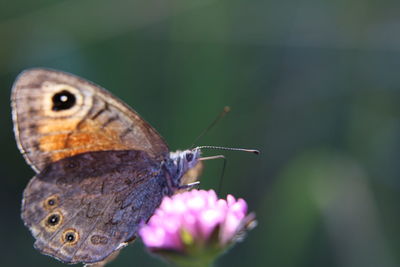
x=189, y=157
x=63, y=100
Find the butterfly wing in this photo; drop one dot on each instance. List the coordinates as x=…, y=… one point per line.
x=83, y=208
x=58, y=115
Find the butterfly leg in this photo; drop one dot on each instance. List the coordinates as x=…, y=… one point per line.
x=189, y=186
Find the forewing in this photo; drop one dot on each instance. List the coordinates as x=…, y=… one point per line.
x=58, y=115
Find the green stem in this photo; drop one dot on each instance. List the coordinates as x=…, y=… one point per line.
x=199, y=263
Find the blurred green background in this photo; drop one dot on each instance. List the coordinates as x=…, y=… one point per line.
x=315, y=85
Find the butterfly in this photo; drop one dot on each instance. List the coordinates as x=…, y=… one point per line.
x=101, y=170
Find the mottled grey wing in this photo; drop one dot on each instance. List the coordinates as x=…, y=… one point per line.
x=82, y=208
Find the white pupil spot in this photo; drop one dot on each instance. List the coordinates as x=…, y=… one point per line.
x=64, y=98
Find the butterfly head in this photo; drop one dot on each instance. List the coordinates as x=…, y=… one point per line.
x=184, y=160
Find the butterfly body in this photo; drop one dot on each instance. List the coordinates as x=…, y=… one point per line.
x=101, y=169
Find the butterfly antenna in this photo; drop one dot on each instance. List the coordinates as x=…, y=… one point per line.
x=225, y=111
x=254, y=151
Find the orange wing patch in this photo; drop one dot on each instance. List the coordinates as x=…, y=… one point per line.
x=72, y=137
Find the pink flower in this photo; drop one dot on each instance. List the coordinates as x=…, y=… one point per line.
x=196, y=221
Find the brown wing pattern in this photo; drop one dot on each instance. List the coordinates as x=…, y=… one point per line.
x=95, y=120
x=83, y=208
